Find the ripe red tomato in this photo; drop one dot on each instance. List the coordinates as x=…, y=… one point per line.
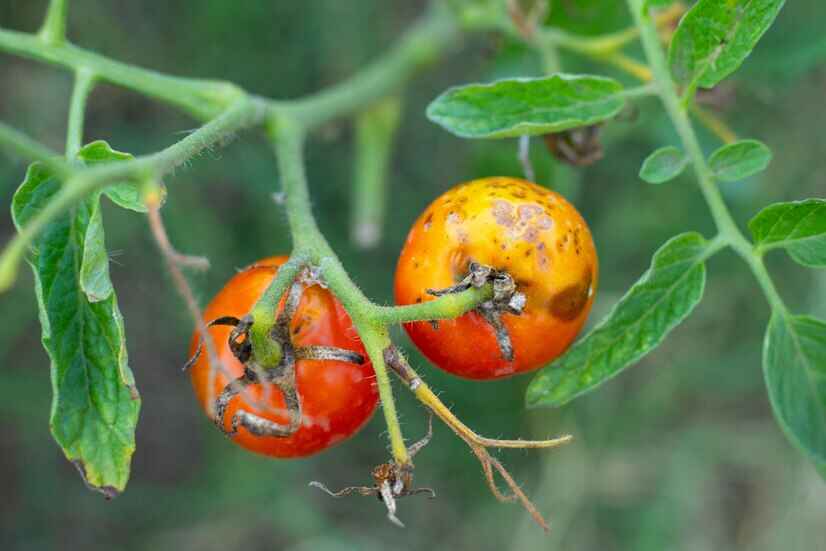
x=516, y=227
x=337, y=397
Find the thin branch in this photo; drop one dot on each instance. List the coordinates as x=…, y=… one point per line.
x=448, y=306
x=53, y=30
x=173, y=258
x=375, y=131
x=204, y=99
x=18, y=143
x=175, y=261
x=84, y=83
x=419, y=47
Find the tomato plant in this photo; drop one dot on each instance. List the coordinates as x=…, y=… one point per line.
x=497, y=277
x=536, y=244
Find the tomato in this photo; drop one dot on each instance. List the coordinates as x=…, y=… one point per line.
x=337, y=397
x=515, y=227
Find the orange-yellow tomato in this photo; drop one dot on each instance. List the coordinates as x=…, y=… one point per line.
x=514, y=226
x=336, y=397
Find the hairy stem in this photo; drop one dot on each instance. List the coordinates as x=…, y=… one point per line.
x=202, y=98
x=310, y=243
x=447, y=306
x=421, y=46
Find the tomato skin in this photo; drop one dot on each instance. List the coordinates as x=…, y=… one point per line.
x=515, y=226
x=337, y=397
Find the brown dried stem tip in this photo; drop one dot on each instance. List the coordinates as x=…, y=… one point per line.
x=478, y=444
x=390, y=481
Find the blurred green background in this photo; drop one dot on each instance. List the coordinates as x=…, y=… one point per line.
x=680, y=452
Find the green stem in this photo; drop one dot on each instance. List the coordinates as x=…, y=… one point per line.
x=421, y=46
x=53, y=30
x=765, y=281
x=84, y=83
x=376, y=339
x=19, y=143
x=265, y=310
x=677, y=110
x=288, y=138
x=204, y=99
x=445, y=307
x=375, y=130
x=81, y=183
x=682, y=123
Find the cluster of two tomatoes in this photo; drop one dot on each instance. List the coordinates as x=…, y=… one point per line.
x=527, y=242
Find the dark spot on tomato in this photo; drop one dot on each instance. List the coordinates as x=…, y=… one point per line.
x=568, y=303
x=418, y=300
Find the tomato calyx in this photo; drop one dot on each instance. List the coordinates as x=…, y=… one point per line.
x=391, y=481
x=506, y=299
x=269, y=358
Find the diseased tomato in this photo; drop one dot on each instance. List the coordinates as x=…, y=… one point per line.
x=516, y=228
x=336, y=397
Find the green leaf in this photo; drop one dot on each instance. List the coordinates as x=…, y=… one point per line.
x=794, y=364
x=528, y=106
x=799, y=227
x=663, y=165
x=715, y=37
x=657, y=303
x=94, y=264
x=95, y=404
x=739, y=160
x=124, y=194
